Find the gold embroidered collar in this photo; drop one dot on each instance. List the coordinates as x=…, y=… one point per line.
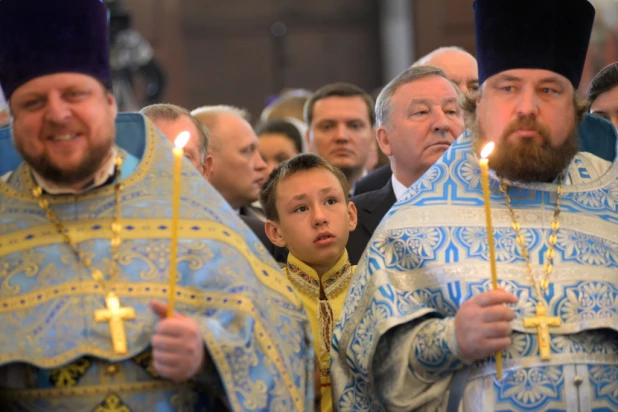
x=307, y=281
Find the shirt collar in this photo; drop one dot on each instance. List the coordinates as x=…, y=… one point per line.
x=398, y=187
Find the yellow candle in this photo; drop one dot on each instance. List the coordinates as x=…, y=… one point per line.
x=180, y=142
x=489, y=147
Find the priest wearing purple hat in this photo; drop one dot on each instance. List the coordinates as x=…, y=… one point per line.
x=421, y=324
x=85, y=249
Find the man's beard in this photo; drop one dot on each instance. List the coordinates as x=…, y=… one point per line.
x=526, y=160
x=86, y=169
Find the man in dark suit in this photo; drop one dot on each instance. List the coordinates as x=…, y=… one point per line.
x=373, y=180
x=460, y=67
x=418, y=117
x=371, y=207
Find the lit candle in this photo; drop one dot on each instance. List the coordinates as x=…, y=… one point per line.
x=180, y=142
x=487, y=149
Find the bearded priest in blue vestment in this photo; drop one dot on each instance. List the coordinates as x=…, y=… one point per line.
x=421, y=323
x=85, y=249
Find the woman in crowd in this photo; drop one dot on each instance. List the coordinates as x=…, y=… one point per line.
x=603, y=94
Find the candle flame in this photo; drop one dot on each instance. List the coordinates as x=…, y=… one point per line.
x=487, y=149
x=182, y=139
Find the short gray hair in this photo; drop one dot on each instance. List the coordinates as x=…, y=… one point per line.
x=383, y=103
x=171, y=112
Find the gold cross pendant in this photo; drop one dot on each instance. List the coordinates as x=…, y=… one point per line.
x=115, y=315
x=542, y=323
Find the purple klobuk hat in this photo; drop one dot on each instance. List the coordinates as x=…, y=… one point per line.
x=533, y=34
x=42, y=37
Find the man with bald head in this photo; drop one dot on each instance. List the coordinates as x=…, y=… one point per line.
x=237, y=169
x=172, y=120
x=458, y=65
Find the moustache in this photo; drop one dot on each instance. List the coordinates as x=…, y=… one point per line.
x=527, y=123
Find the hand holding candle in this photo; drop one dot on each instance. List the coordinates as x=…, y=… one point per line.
x=484, y=163
x=180, y=142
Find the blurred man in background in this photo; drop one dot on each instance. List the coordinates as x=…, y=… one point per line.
x=237, y=170
x=172, y=120
x=603, y=94
x=341, y=120
x=458, y=65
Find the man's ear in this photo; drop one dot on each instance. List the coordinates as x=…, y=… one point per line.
x=383, y=141
x=212, y=166
x=352, y=216
x=207, y=166
x=111, y=101
x=274, y=233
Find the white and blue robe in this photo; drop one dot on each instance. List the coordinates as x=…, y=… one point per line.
x=395, y=348
x=54, y=356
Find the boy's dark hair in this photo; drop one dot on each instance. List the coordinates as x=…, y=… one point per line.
x=340, y=89
x=283, y=127
x=603, y=82
x=300, y=163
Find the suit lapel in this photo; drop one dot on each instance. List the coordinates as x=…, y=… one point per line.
x=376, y=207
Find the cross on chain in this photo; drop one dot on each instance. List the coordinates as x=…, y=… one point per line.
x=115, y=315
x=542, y=322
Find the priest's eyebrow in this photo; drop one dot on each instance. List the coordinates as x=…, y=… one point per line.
x=553, y=80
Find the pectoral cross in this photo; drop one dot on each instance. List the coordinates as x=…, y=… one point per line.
x=542, y=322
x=115, y=315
